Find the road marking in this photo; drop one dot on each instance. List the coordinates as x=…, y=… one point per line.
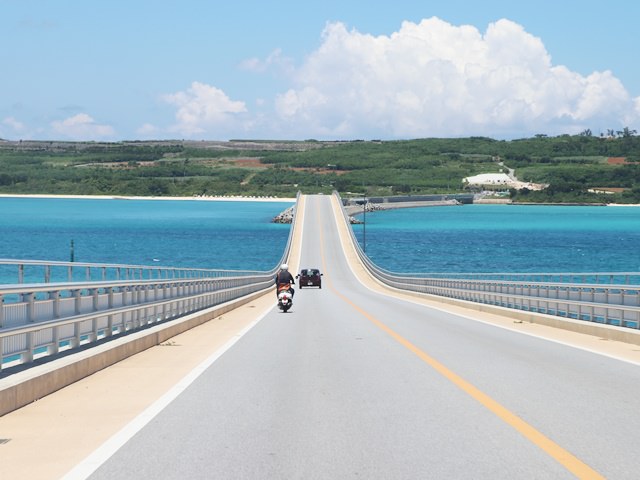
x=99, y=456
x=555, y=451
x=443, y=308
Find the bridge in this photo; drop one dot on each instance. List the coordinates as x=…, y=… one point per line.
x=374, y=376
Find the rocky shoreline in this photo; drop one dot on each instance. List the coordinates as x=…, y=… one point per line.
x=286, y=216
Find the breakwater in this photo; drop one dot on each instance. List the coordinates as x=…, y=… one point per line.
x=370, y=206
x=285, y=216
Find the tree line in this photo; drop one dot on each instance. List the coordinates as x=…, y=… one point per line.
x=572, y=166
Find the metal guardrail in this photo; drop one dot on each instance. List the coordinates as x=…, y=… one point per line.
x=36, y=303
x=14, y=271
x=112, y=311
x=598, y=278
x=611, y=298
x=46, y=318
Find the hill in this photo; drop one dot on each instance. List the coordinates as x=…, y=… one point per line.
x=573, y=167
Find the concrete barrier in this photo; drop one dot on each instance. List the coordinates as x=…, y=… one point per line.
x=24, y=387
x=608, y=332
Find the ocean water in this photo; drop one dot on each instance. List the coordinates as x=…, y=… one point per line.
x=191, y=234
x=503, y=238
x=240, y=235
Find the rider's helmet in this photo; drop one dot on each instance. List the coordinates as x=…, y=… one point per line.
x=284, y=267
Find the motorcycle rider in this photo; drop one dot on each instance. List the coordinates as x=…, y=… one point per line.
x=284, y=278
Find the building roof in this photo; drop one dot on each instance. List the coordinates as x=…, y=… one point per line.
x=488, y=179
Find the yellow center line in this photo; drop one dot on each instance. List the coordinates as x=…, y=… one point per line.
x=555, y=451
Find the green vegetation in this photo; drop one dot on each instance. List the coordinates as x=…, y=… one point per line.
x=570, y=165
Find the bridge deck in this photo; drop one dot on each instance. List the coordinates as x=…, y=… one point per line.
x=49, y=437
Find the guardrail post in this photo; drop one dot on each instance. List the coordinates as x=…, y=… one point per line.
x=21, y=273
x=29, y=299
x=76, y=334
x=55, y=306
x=55, y=347
x=28, y=355
x=94, y=329
x=109, y=331
x=133, y=300
x=1, y=320
x=70, y=273
x=94, y=295
x=47, y=274
x=78, y=299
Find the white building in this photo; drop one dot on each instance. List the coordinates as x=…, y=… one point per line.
x=499, y=180
x=487, y=179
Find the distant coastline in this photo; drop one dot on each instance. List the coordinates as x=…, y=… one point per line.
x=351, y=209
x=223, y=198
x=569, y=204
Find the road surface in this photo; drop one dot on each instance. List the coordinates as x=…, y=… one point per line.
x=356, y=382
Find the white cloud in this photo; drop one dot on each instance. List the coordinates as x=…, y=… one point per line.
x=437, y=79
x=10, y=127
x=147, y=131
x=13, y=123
x=275, y=60
x=82, y=127
x=203, y=109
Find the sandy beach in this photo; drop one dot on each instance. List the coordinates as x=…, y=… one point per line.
x=238, y=198
x=230, y=198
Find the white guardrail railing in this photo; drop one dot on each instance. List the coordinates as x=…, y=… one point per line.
x=14, y=271
x=44, y=318
x=611, y=298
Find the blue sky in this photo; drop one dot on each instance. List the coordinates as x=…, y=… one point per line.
x=336, y=70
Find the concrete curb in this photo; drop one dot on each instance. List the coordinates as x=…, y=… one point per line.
x=607, y=332
x=23, y=388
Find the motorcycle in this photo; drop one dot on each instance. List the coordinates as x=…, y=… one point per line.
x=285, y=298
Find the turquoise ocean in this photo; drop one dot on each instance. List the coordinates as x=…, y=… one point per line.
x=231, y=235
x=503, y=239
x=240, y=235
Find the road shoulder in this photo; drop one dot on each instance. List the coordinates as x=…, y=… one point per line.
x=600, y=344
x=49, y=437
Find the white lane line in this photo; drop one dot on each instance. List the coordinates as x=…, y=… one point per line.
x=90, y=464
x=539, y=336
x=565, y=343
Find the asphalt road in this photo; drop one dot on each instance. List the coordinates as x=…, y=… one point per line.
x=352, y=383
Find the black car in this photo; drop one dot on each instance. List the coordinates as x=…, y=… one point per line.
x=309, y=277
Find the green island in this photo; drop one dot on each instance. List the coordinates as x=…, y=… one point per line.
x=563, y=169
